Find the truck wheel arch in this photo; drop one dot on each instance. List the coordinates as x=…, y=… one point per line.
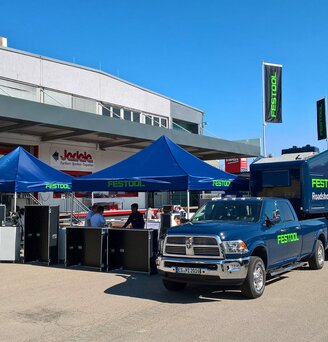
x=323, y=239
x=261, y=252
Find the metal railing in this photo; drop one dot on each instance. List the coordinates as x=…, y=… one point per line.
x=71, y=204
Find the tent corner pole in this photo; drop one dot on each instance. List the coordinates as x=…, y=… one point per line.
x=72, y=203
x=15, y=201
x=188, y=204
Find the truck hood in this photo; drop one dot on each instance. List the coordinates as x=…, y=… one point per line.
x=225, y=230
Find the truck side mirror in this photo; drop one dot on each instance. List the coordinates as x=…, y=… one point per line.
x=268, y=223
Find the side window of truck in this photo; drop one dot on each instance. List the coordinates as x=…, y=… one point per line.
x=270, y=210
x=286, y=212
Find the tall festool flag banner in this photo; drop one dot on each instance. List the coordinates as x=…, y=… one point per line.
x=321, y=119
x=272, y=93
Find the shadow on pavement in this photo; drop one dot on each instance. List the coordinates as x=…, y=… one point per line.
x=151, y=287
x=275, y=279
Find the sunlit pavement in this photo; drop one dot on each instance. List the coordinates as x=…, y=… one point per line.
x=55, y=304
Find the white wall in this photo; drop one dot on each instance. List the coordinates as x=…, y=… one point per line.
x=102, y=159
x=79, y=81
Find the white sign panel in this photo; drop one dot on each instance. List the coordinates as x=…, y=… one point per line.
x=72, y=159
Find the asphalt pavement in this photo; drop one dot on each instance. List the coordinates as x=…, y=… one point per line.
x=39, y=303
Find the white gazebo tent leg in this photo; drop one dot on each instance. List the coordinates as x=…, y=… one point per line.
x=72, y=204
x=188, y=204
x=15, y=202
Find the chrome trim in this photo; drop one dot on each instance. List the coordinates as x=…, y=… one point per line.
x=189, y=246
x=226, y=269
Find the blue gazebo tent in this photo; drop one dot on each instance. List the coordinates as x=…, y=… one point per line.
x=162, y=166
x=20, y=171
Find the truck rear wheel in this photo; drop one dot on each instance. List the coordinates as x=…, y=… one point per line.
x=254, y=284
x=173, y=286
x=317, y=260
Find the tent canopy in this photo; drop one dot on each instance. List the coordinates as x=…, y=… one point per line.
x=20, y=171
x=162, y=166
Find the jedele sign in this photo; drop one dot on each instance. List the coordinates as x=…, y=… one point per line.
x=272, y=93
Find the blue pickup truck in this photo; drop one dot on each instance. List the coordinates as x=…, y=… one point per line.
x=241, y=242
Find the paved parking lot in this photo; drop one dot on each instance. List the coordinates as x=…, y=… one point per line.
x=55, y=304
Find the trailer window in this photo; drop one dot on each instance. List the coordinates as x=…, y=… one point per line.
x=275, y=178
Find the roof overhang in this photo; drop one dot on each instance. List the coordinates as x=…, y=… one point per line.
x=51, y=123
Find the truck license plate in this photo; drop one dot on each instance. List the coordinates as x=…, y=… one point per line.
x=188, y=270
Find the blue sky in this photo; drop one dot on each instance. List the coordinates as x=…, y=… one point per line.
x=207, y=54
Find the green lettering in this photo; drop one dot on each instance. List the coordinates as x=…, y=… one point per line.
x=287, y=238
x=221, y=182
x=319, y=183
x=126, y=184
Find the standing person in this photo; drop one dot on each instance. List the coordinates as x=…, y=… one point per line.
x=87, y=222
x=159, y=213
x=177, y=220
x=21, y=221
x=135, y=218
x=98, y=220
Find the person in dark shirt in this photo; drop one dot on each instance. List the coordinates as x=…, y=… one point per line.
x=136, y=219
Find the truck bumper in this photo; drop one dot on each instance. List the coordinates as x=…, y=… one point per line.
x=204, y=270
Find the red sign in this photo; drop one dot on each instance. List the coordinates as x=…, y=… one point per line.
x=236, y=165
x=77, y=156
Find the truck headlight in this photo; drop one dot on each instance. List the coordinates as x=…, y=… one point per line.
x=235, y=247
x=161, y=246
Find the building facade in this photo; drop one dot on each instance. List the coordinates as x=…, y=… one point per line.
x=80, y=120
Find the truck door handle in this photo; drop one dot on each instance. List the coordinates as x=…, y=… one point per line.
x=298, y=228
x=283, y=230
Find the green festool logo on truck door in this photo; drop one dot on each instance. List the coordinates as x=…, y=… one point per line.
x=287, y=238
x=58, y=186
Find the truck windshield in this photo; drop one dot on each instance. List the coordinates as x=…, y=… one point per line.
x=229, y=211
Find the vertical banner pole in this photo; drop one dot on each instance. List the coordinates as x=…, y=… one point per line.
x=188, y=203
x=263, y=112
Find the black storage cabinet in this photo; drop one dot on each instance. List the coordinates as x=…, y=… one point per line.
x=132, y=249
x=86, y=246
x=41, y=234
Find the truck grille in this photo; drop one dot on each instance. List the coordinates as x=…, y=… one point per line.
x=206, y=251
x=176, y=250
x=193, y=246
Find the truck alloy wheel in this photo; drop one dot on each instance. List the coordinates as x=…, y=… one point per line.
x=317, y=260
x=254, y=284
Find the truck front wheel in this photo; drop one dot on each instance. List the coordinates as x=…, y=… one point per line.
x=317, y=260
x=173, y=286
x=254, y=284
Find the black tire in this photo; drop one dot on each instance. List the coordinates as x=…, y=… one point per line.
x=317, y=260
x=254, y=284
x=173, y=286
